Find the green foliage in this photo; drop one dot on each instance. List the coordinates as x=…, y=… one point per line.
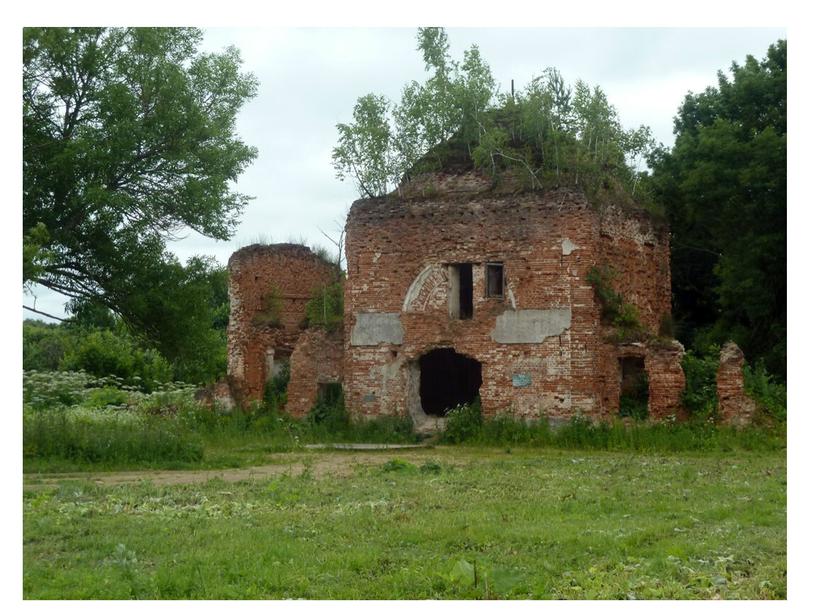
x=325, y=307
x=463, y=422
x=103, y=353
x=398, y=465
x=330, y=411
x=128, y=138
x=724, y=187
x=106, y=439
x=547, y=134
x=769, y=393
x=44, y=345
x=700, y=393
x=470, y=428
x=601, y=278
x=614, y=310
x=274, y=398
x=537, y=524
x=634, y=402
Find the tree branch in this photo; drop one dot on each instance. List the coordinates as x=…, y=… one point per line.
x=33, y=310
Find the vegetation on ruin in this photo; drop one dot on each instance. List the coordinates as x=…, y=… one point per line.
x=325, y=308
x=622, y=316
x=469, y=523
x=546, y=135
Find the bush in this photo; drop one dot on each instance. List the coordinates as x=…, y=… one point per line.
x=330, y=411
x=770, y=394
x=600, y=278
x=103, y=353
x=53, y=390
x=634, y=402
x=275, y=389
x=700, y=393
x=325, y=308
x=43, y=345
x=464, y=423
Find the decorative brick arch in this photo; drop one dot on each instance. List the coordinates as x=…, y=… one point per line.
x=428, y=291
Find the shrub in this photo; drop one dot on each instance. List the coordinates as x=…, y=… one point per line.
x=43, y=345
x=104, y=353
x=102, y=397
x=52, y=390
x=330, y=411
x=464, y=423
x=634, y=402
x=275, y=389
x=600, y=278
x=770, y=394
x=700, y=393
x=325, y=308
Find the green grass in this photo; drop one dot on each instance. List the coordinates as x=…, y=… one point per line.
x=442, y=523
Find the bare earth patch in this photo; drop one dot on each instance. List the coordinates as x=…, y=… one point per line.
x=292, y=464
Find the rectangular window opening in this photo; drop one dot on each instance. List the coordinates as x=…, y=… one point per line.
x=460, y=301
x=494, y=285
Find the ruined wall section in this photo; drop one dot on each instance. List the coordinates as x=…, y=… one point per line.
x=637, y=249
x=735, y=406
x=398, y=252
x=317, y=359
x=292, y=272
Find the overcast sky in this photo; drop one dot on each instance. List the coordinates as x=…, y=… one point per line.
x=311, y=78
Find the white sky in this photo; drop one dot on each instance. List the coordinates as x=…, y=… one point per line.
x=310, y=79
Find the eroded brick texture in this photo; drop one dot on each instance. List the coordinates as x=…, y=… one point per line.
x=666, y=381
x=735, y=407
x=662, y=363
x=292, y=272
x=316, y=360
x=399, y=252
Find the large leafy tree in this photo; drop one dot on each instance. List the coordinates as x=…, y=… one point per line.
x=128, y=139
x=723, y=186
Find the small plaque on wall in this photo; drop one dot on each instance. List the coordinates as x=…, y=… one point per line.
x=522, y=380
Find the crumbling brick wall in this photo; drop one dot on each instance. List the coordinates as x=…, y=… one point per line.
x=637, y=249
x=662, y=364
x=316, y=360
x=666, y=381
x=399, y=252
x=288, y=272
x=735, y=406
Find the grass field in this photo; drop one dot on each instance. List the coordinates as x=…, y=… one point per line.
x=464, y=522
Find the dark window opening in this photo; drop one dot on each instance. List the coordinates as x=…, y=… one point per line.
x=329, y=393
x=495, y=280
x=447, y=379
x=634, y=388
x=461, y=287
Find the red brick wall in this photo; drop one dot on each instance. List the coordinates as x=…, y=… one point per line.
x=294, y=271
x=735, y=406
x=638, y=252
x=391, y=241
x=316, y=359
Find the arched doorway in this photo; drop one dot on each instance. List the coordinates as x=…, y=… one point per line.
x=446, y=379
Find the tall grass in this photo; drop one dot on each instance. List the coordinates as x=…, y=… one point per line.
x=82, y=437
x=467, y=426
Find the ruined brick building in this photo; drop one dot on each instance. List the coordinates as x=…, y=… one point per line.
x=455, y=291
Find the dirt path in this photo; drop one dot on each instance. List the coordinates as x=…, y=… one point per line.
x=320, y=465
